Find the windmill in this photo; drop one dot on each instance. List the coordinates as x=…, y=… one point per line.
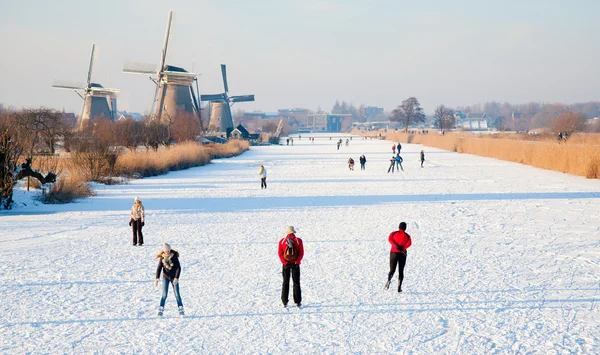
x=220, y=111
x=98, y=101
x=174, y=92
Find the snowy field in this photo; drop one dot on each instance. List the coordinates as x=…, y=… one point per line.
x=505, y=259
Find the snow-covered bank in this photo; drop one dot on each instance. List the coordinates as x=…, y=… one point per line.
x=505, y=259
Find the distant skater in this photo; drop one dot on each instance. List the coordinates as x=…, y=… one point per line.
x=422, y=158
x=168, y=263
x=398, y=147
x=351, y=164
x=363, y=161
x=394, y=149
x=392, y=163
x=400, y=241
x=291, y=252
x=399, y=161
x=136, y=221
x=263, y=177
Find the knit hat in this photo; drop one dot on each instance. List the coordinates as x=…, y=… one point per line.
x=166, y=247
x=136, y=199
x=402, y=226
x=289, y=230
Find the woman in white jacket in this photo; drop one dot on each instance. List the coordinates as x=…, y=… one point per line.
x=136, y=222
x=263, y=177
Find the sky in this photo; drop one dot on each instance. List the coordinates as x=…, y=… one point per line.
x=307, y=53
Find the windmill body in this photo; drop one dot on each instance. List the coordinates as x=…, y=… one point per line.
x=221, y=119
x=98, y=101
x=174, y=94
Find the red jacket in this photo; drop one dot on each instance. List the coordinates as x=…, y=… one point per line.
x=299, y=246
x=400, y=238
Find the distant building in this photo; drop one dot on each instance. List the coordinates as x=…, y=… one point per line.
x=371, y=112
x=298, y=114
x=69, y=118
x=324, y=122
x=255, y=115
x=121, y=115
x=474, y=121
x=240, y=132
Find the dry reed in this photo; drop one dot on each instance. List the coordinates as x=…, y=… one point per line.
x=176, y=157
x=580, y=155
x=68, y=188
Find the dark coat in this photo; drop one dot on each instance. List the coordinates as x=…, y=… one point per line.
x=175, y=270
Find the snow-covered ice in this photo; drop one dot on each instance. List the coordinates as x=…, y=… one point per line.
x=505, y=259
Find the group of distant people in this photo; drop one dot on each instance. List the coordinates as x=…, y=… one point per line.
x=562, y=136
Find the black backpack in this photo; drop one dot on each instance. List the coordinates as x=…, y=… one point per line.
x=290, y=253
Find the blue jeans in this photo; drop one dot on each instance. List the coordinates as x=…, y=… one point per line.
x=165, y=292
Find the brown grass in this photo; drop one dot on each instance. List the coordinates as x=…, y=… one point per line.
x=580, y=155
x=68, y=188
x=176, y=157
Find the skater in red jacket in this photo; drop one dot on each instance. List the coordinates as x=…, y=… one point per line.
x=400, y=241
x=291, y=252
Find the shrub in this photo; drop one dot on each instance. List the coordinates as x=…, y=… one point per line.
x=68, y=188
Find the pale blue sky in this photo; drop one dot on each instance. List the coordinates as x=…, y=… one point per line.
x=308, y=53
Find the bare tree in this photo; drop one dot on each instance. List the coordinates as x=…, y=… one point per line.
x=569, y=122
x=444, y=117
x=10, y=153
x=185, y=127
x=409, y=113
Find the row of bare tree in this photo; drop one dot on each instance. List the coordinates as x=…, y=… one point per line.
x=31, y=132
x=556, y=117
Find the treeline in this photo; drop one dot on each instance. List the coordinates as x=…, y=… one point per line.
x=553, y=117
x=533, y=115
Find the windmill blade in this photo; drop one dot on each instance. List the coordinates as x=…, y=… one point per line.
x=71, y=87
x=155, y=98
x=224, y=74
x=194, y=100
x=139, y=68
x=213, y=97
x=163, y=56
x=197, y=107
x=241, y=98
x=89, y=77
x=138, y=71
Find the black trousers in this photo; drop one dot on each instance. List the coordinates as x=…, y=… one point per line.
x=263, y=182
x=391, y=167
x=138, y=237
x=397, y=259
x=362, y=166
x=294, y=270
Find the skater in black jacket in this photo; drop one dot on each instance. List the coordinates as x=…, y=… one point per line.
x=363, y=161
x=168, y=263
x=392, y=163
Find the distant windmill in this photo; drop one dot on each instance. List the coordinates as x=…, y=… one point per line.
x=220, y=112
x=174, y=92
x=98, y=101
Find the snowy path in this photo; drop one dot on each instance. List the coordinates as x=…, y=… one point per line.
x=505, y=259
